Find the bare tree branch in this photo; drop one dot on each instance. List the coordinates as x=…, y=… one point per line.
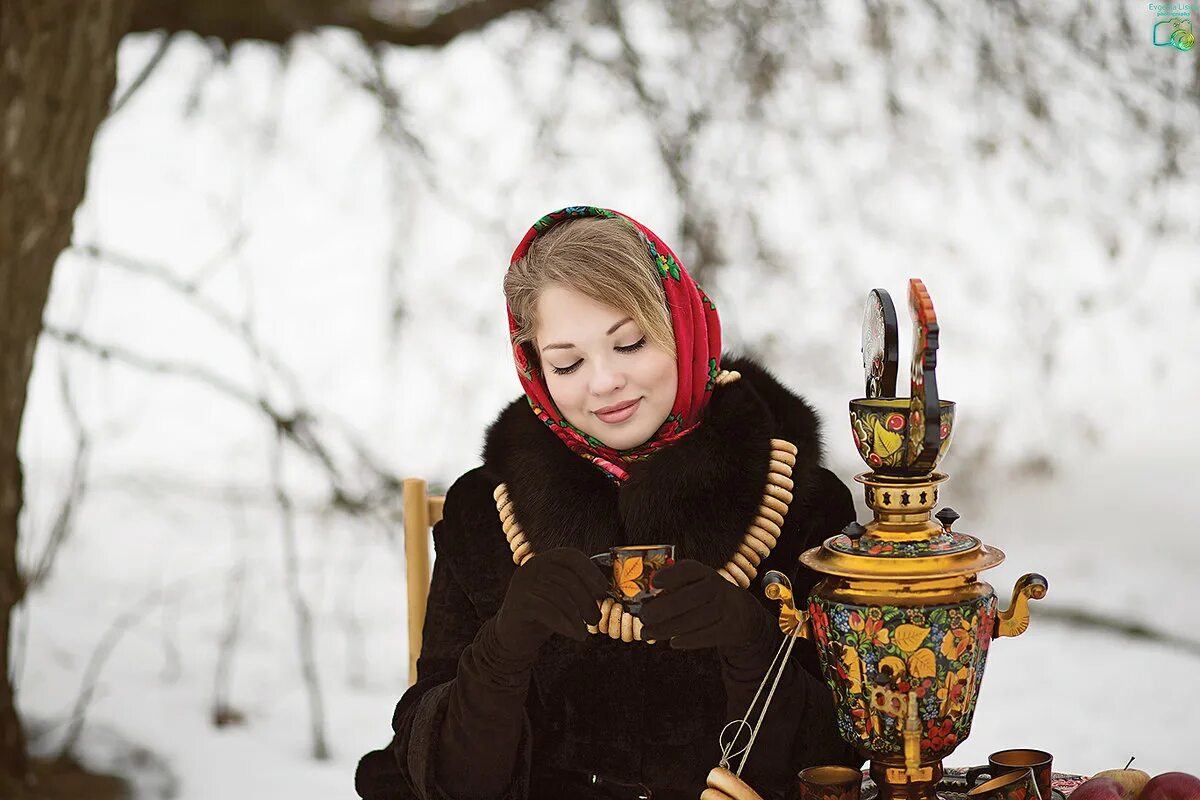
x=164, y=44
x=117, y=353
x=300, y=426
x=270, y=366
x=296, y=425
x=304, y=621
x=1082, y=618
x=91, y=673
x=76, y=488
x=698, y=229
x=223, y=711
x=232, y=21
x=189, y=290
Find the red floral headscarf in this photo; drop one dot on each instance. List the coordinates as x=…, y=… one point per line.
x=697, y=346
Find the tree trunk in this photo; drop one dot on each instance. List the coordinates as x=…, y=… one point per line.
x=57, y=71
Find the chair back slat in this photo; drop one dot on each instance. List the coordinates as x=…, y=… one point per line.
x=421, y=512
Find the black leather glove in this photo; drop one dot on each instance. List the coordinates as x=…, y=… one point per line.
x=698, y=608
x=554, y=592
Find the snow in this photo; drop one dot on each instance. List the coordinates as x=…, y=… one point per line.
x=374, y=274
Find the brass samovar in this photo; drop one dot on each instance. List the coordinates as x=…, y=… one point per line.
x=901, y=623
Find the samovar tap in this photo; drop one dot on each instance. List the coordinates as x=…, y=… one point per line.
x=912, y=738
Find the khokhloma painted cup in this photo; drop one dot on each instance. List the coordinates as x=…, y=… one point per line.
x=1003, y=761
x=1017, y=785
x=633, y=569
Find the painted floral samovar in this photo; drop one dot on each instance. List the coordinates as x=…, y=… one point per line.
x=901, y=623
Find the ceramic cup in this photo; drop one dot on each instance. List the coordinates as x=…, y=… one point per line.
x=633, y=568
x=1003, y=761
x=1018, y=784
x=830, y=783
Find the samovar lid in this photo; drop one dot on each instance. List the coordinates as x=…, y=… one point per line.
x=949, y=554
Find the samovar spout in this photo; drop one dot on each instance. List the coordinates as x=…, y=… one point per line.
x=1015, y=619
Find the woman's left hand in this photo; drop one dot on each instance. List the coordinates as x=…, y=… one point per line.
x=698, y=608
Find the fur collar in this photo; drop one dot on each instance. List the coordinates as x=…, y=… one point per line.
x=700, y=493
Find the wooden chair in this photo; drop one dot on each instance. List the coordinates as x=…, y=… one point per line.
x=421, y=512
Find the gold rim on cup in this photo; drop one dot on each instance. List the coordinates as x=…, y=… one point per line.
x=1021, y=758
x=830, y=776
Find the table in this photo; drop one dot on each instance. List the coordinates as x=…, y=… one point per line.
x=954, y=785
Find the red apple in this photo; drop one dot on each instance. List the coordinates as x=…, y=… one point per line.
x=1171, y=786
x=1098, y=789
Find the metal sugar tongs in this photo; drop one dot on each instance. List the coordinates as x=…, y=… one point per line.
x=724, y=783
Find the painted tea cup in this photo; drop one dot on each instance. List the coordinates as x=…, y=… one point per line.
x=633, y=568
x=1004, y=761
x=1019, y=784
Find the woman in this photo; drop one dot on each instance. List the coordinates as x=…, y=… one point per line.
x=630, y=432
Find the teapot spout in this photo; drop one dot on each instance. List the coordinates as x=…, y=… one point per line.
x=1015, y=619
x=792, y=621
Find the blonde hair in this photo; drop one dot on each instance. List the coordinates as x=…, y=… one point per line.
x=602, y=258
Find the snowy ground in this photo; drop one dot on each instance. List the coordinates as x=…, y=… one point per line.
x=162, y=554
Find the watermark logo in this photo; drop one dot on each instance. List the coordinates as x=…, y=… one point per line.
x=1173, y=28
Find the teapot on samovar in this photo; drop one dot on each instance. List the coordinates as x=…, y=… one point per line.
x=901, y=624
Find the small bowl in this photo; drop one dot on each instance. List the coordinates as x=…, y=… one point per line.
x=881, y=430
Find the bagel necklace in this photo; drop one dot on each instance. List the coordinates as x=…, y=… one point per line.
x=741, y=568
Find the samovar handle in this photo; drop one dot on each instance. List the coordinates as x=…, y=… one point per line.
x=792, y=621
x=1015, y=619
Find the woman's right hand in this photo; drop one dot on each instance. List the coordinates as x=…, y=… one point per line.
x=553, y=592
